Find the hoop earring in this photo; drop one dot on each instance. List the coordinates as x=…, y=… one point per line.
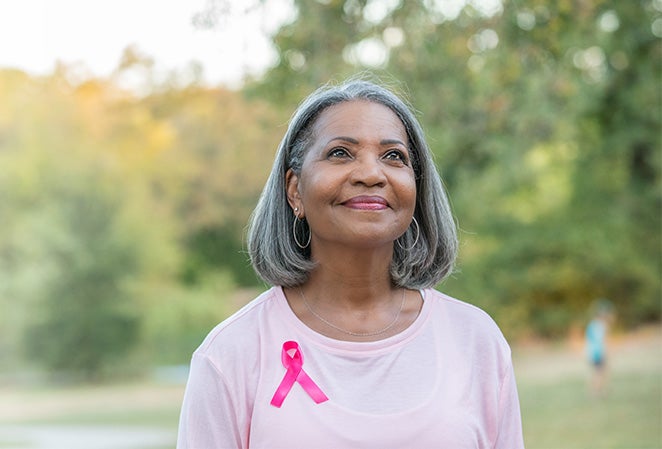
x=294, y=233
x=418, y=232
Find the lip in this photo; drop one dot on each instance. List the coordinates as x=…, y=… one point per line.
x=365, y=202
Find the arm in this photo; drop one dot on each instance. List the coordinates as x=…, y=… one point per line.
x=510, y=419
x=209, y=418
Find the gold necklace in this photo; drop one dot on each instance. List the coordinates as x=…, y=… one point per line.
x=355, y=334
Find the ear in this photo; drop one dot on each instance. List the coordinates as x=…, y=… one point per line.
x=293, y=196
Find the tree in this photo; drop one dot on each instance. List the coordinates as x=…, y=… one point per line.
x=75, y=235
x=86, y=319
x=224, y=148
x=532, y=108
x=115, y=205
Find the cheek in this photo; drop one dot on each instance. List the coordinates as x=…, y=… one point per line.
x=314, y=190
x=407, y=191
x=321, y=185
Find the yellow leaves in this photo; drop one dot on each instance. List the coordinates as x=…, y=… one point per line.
x=161, y=137
x=139, y=138
x=188, y=156
x=228, y=145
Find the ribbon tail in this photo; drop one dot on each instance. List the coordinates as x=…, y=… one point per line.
x=311, y=388
x=283, y=389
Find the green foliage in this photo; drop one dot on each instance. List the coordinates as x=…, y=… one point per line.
x=310, y=51
x=177, y=318
x=224, y=159
x=218, y=248
x=85, y=320
x=104, y=193
x=76, y=233
x=545, y=120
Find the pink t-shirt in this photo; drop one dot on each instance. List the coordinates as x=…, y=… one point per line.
x=445, y=382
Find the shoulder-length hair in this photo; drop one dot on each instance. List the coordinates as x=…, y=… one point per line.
x=274, y=254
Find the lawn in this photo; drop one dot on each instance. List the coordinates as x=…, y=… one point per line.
x=135, y=416
x=558, y=411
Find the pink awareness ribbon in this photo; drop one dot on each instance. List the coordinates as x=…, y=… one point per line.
x=295, y=373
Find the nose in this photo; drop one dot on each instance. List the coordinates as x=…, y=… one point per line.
x=368, y=171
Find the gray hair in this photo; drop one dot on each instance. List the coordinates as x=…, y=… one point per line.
x=276, y=257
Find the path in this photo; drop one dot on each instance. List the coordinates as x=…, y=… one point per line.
x=28, y=436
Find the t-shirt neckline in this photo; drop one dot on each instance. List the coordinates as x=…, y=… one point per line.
x=352, y=346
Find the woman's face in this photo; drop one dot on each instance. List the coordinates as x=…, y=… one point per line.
x=357, y=185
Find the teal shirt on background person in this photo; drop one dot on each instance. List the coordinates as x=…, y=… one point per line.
x=595, y=341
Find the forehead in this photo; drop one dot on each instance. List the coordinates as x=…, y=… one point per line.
x=359, y=118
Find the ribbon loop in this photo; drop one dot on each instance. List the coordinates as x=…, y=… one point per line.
x=292, y=359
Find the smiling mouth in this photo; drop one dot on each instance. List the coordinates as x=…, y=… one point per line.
x=366, y=203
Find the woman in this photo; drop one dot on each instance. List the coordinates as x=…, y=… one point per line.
x=352, y=347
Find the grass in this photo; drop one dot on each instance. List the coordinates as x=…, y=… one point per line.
x=109, y=410
x=141, y=417
x=558, y=411
x=564, y=416
x=144, y=404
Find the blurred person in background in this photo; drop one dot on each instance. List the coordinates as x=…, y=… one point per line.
x=596, y=345
x=352, y=346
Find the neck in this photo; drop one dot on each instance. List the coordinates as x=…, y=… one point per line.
x=358, y=278
x=349, y=296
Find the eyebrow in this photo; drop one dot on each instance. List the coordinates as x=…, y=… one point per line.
x=391, y=142
x=354, y=141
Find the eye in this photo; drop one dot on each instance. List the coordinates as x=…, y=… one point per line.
x=338, y=153
x=396, y=155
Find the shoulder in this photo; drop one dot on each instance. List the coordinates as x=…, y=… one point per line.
x=241, y=328
x=458, y=308
x=465, y=321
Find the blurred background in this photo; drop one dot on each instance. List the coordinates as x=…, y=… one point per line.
x=135, y=138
